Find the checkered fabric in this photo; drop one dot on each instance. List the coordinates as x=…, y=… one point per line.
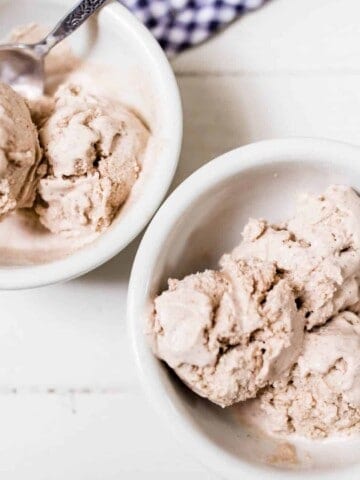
x=180, y=24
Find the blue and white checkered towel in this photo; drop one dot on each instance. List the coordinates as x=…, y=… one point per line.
x=179, y=24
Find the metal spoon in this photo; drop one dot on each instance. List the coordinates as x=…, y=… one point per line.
x=22, y=65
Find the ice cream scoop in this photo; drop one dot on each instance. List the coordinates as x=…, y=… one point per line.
x=322, y=394
x=93, y=150
x=22, y=65
x=228, y=333
x=19, y=153
x=318, y=250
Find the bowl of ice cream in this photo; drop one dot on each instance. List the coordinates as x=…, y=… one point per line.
x=243, y=311
x=84, y=167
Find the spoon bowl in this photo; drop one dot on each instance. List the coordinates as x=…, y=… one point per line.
x=22, y=68
x=22, y=65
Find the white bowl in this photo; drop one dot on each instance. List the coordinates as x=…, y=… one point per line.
x=147, y=83
x=201, y=220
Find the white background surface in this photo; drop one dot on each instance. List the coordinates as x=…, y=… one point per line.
x=70, y=403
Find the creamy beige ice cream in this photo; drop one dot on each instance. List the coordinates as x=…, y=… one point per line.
x=91, y=153
x=19, y=153
x=278, y=321
x=93, y=149
x=322, y=394
x=228, y=333
x=318, y=250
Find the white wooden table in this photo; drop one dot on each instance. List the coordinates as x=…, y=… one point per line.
x=70, y=402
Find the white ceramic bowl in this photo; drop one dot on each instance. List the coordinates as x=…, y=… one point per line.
x=147, y=83
x=201, y=220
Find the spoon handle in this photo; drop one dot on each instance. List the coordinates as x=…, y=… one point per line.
x=76, y=17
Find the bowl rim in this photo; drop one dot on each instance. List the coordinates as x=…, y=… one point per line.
x=307, y=150
x=109, y=244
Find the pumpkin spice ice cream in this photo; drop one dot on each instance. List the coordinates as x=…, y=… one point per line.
x=68, y=159
x=318, y=250
x=228, y=333
x=93, y=149
x=19, y=153
x=321, y=395
x=278, y=321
